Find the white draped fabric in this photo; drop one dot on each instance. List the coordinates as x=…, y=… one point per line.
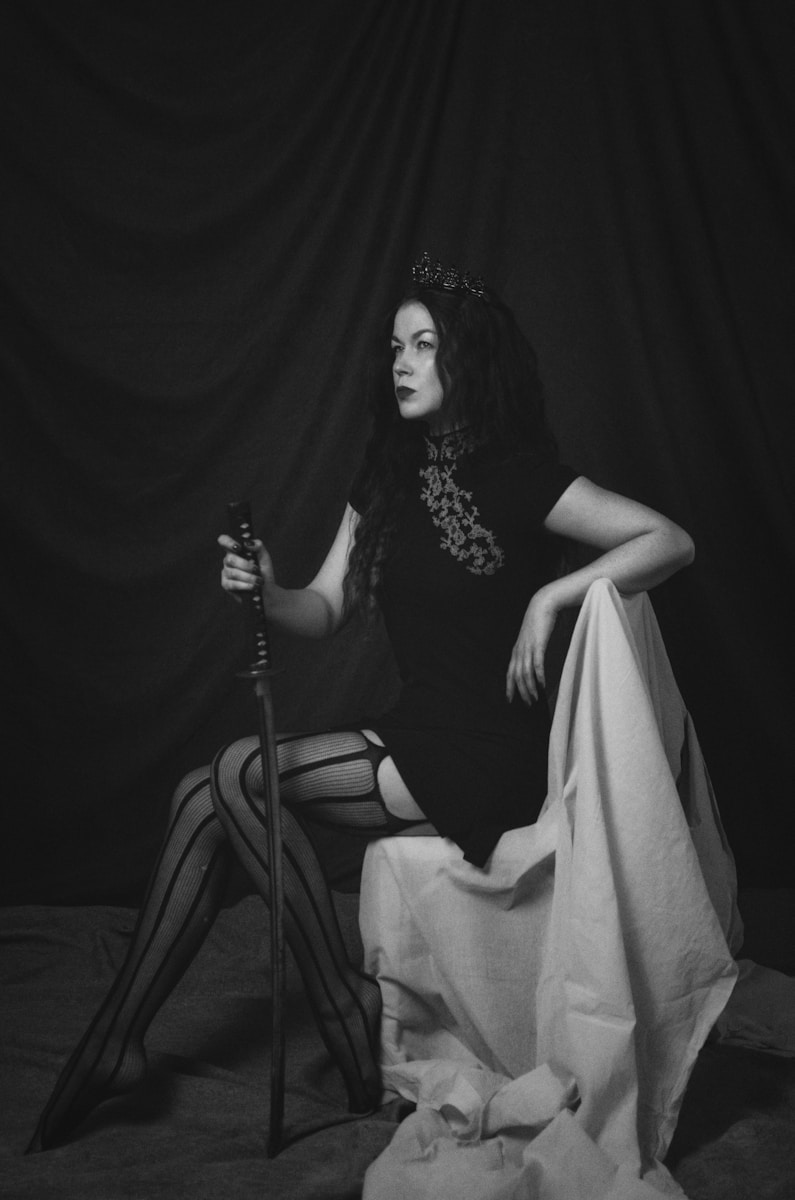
x=546, y=1012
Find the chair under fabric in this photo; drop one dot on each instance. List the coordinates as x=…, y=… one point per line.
x=545, y=1013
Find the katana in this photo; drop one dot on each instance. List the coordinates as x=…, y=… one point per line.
x=261, y=671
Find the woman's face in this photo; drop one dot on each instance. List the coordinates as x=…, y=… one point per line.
x=418, y=389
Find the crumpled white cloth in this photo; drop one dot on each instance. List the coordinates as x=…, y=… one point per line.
x=595, y=948
x=478, y=1136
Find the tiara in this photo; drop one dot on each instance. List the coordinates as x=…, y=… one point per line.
x=433, y=275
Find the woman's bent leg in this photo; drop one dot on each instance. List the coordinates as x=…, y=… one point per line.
x=183, y=899
x=330, y=779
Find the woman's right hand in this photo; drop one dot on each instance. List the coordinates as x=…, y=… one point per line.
x=241, y=574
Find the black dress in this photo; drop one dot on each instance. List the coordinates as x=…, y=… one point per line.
x=469, y=553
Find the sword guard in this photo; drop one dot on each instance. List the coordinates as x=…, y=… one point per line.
x=257, y=672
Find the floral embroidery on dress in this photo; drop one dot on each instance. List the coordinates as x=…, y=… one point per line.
x=452, y=510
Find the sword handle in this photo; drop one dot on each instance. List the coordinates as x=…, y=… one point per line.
x=240, y=516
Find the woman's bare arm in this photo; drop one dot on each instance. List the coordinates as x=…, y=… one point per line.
x=314, y=611
x=641, y=548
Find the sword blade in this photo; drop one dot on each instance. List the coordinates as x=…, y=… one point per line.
x=260, y=671
x=270, y=775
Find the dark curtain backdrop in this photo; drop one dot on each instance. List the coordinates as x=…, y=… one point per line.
x=207, y=211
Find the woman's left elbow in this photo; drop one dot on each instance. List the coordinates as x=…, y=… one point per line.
x=685, y=549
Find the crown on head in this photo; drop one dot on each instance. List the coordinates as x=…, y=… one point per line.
x=433, y=275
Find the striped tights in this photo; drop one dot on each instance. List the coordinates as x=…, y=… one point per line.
x=217, y=815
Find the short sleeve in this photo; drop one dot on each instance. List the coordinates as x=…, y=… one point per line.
x=546, y=484
x=534, y=485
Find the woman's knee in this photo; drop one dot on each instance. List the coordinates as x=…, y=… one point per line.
x=192, y=791
x=235, y=769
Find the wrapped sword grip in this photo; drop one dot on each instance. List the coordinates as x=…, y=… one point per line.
x=243, y=530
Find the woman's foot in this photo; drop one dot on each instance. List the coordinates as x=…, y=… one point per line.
x=351, y=1034
x=98, y=1070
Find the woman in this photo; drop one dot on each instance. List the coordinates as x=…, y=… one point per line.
x=452, y=529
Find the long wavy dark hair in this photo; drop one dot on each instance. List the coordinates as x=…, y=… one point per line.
x=489, y=374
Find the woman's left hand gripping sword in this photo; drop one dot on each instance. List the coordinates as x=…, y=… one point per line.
x=260, y=671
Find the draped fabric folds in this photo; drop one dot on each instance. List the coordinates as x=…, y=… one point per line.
x=586, y=965
x=205, y=215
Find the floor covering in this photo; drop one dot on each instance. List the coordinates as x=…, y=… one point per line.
x=198, y=1126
